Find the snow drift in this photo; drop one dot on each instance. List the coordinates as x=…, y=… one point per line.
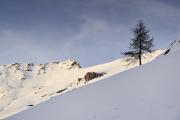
x=149, y=92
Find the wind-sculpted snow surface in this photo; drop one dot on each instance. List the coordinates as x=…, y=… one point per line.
x=149, y=92
x=23, y=86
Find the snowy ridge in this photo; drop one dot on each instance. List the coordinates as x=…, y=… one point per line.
x=25, y=85
x=149, y=92
x=173, y=47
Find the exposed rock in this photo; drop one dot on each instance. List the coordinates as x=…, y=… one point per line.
x=44, y=95
x=60, y=91
x=79, y=79
x=30, y=105
x=29, y=65
x=92, y=75
x=167, y=51
x=73, y=64
x=23, y=78
x=16, y=66
x=42, y=69
x=56, y=62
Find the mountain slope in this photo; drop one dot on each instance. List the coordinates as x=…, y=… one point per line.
x=26, y=85
x=149, y=92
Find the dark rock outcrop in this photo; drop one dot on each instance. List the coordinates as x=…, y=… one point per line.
x=167, y=51
x=74, y=64
x=92, y=75
x=60, y=91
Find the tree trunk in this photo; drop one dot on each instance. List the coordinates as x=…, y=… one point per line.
x=140, y=62
x=140, y=50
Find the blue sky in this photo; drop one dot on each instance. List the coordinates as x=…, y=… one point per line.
x=90, y=31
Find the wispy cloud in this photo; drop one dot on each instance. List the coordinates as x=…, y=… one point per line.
x=97, y=36
x=91, y=31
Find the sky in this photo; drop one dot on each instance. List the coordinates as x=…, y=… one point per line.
x=89, y=31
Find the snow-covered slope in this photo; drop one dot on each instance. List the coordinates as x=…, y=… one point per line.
x=25, y=85
x=149, y=92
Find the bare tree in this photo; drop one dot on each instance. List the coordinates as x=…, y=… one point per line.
x=140, y=44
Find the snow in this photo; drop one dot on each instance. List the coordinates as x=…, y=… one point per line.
x=148, y=92
x=23, y=86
